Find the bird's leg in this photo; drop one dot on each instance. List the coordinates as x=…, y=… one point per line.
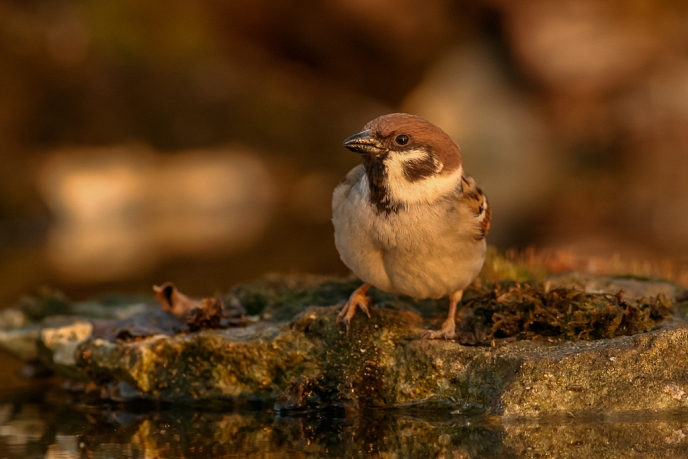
x=448, y=330
x=357, y=300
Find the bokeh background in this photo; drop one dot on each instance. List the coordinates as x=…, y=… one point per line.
x=199, y=141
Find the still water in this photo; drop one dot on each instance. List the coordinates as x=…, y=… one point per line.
x=52, y=423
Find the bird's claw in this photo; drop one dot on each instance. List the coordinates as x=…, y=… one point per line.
x=364, y=307
x=448, y=331
x=438, y=334
x=357, y=301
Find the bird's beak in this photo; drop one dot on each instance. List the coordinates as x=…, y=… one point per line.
x=363, y=143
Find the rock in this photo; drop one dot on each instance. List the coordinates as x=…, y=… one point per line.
x=21, y=343
x=301, y=359
x=11, y=319
x=62, y=341
x=633, y=287
x=17, y=336
x=57, y=344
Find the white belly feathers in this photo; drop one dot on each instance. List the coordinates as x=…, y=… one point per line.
x=396, y=254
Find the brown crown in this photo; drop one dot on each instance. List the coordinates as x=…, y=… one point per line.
x=422, y=132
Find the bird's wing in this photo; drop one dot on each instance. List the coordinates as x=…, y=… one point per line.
x=341, y=192
x=474, y=198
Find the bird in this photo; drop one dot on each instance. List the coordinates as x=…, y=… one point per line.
x=408, y=219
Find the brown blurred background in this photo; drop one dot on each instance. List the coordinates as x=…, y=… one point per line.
x=199, y=142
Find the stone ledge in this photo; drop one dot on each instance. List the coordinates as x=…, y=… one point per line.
x=309, y=362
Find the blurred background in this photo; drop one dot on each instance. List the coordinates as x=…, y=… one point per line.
x=199, y=142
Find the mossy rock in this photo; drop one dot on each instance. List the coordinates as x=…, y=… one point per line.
x=535, y=346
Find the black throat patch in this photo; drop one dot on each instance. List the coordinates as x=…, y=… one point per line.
x=377, y=183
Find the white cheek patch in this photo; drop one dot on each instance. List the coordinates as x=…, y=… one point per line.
x=428, y=189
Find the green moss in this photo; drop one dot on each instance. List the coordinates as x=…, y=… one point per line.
x=505, y=309
x=48, y=302
x=522, y=311
x=353, y=365
x=277, y=298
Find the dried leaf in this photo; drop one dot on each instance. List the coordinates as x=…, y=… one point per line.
x=199, y=314
x=174, y=301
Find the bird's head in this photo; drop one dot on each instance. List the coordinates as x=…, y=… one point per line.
x=407, y=159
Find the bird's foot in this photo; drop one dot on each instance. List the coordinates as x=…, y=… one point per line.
x=448, y=331
x=357, y=300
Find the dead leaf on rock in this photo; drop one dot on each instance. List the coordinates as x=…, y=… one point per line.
x=174, y=301
x=198, y=314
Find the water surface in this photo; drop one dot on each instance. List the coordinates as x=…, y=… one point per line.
x=53, y=423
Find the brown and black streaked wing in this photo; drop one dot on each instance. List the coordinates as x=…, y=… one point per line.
x=473, y=197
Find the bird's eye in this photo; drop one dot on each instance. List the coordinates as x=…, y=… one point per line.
x=401, y=139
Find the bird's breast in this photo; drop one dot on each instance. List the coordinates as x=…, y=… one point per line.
x=423, y=250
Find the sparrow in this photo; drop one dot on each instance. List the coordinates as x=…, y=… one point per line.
x=409, y=219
